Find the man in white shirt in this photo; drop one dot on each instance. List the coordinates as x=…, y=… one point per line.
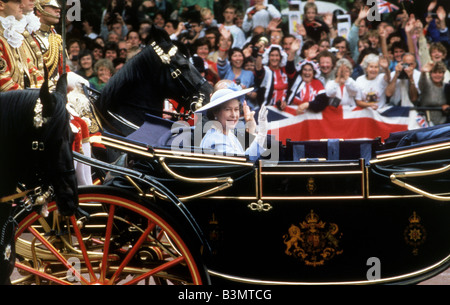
x=403, y=89
x=259, y=14
x=229, y=14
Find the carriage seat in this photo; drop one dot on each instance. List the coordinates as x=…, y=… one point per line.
x=152, y=130
x=163, y=133
x=417, y=137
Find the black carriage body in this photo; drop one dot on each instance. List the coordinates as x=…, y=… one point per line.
x=314, y=220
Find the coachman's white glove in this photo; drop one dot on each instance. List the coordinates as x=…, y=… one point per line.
x=263, y=126
x=75, y=81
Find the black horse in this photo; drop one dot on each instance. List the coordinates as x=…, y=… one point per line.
x=36, y=153
x=159, y=71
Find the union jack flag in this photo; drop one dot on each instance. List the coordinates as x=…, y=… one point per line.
x=343, y=122
x=385, y=7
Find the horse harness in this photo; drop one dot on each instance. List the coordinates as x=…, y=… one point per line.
x=36, y=196
x=176, y=74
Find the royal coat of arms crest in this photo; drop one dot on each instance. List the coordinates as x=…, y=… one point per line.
x=415, y=234
x=314, y=241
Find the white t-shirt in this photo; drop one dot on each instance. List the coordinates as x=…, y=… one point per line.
x=260, y=18
x=403, y=85
x=372, y=90
x=238, y=36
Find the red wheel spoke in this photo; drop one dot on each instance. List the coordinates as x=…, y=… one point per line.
x=108, y=233
x=83, y=248
x=55, y=252
x=119, y=244
x=42, y=274
x=133, y=251
x=156, y=270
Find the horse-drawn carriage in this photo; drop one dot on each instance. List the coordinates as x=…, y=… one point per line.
x=322, y=212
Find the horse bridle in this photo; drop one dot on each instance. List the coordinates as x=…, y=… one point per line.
x=196, y=98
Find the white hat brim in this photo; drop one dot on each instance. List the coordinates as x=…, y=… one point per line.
x=229, y=96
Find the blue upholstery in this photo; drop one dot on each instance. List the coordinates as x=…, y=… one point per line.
x=331, y=150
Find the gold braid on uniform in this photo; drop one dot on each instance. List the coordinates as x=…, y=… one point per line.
x=51, y=57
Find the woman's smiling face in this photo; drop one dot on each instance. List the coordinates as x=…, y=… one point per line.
x=237, y=59
x=372, y=70
x=228, y=114
x=437, y=76
x=307, y=73
x=274, y=58
x=86, y=62
x=203, y=51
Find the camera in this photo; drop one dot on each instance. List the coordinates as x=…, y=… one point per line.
x=255, y=51
x=403, y=73
x=187, y=25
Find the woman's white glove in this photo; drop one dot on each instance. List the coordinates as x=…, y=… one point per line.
x=263, y=126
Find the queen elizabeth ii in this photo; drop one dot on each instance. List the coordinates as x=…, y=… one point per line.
x=224, y=111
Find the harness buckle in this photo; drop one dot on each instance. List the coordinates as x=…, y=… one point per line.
x=35, y=145
x=37, y=191
x=175, y=73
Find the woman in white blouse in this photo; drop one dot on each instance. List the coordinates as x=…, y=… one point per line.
x=224, y=111
x=343, y=89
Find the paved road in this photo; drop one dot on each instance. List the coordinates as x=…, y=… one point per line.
x=441, y=279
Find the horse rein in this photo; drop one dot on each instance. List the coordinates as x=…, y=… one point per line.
x=176, y=74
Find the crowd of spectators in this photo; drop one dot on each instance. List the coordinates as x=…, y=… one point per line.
x=398, y=60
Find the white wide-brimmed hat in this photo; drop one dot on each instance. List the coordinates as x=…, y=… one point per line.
x=224, y=95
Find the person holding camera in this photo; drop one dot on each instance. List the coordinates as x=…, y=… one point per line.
x=403, y=89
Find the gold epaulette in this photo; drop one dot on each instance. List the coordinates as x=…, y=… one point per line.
x=52, y=56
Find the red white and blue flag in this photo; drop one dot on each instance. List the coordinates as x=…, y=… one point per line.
x=343, y=122
x=385, y=7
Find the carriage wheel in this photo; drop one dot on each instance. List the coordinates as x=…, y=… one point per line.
x=122, y=242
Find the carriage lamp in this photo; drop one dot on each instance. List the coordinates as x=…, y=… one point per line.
x=44, y=198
